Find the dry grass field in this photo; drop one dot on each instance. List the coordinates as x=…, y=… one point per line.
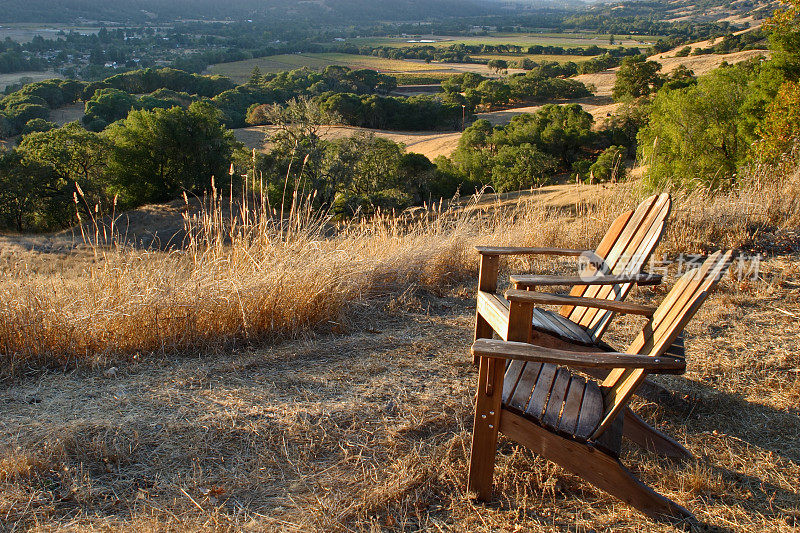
x=239, y=71
x=430, y=144
x=26, y=77
x=291, y=378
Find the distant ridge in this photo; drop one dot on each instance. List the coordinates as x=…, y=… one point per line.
x=316, y=10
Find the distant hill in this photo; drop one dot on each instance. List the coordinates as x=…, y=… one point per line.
x=322, y=10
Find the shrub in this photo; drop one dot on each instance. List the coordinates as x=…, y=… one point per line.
x=37, y=124
x=609, y=165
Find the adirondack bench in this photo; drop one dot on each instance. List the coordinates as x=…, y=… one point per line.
x=537, y=401
x=616, y=266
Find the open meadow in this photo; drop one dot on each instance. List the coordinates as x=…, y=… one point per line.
x=22, y=32
x=408, y=71
x=305, y=379
x=26, y=77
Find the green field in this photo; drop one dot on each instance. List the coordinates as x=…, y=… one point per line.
x=26, y=77
x=517, y=39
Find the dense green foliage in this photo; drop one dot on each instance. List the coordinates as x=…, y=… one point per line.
x=237, y=103
x=694, y=134
x=548, y=81
x=351, y=175
x=406, y=114
x=149, y=134
x=780, y=131
x=701, y=132
x=610, y=164
x=149, y=156
x=527, y=151
x=159, y=154
x=636, y=77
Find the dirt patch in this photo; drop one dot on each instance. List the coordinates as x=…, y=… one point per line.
x=67, y=114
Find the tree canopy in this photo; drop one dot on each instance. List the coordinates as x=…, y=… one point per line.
x=637, y=76
x=159, y=154
x=695, y=136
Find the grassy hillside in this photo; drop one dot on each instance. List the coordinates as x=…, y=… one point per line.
x=193, y=409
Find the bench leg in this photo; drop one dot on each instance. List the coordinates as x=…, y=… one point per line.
x=598, y=468
x=487, y=282
x=486, y=426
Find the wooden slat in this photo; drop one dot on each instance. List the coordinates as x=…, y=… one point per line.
x=598, y=468
x=581, y=359
x=486, y=426
x=572, y=406
x=522, y=393
x=667, y=323
x=539, y=321
x=533, y=280
x=591, y=410
x=513, y=372
x=555, y=402
x=677, y=348
x=628, y=246
x=541, y=391
x=577, y=333
x=487, y=282
x=613, y=253
x=641, y=253
x=494, y=310
x=611, y=440
x=543, y=320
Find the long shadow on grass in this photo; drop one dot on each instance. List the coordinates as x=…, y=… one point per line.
x=710, y=415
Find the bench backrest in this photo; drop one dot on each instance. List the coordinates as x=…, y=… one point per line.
x=666, y=324
x=625, y=248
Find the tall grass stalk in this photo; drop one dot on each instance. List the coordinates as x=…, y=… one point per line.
x=247, y=274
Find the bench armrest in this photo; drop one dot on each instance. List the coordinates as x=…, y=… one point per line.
x=545, y=298
x=510, y=250
x=522, y=351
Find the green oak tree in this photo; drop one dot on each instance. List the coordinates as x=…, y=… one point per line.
x=159, y=154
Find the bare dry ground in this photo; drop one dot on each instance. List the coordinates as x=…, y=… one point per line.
x=364, y=424
x=705, y=63
x=66, y=114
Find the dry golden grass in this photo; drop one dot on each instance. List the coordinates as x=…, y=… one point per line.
x=296, y=380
